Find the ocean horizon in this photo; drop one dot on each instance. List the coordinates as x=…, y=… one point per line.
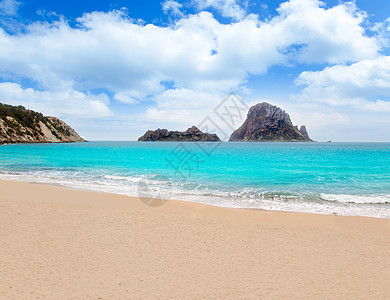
x=327, y=178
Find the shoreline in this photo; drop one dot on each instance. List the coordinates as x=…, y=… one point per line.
x=196, y=201
x=184, y=202
x=62, y=243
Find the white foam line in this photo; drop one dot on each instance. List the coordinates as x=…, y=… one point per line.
x=341, y=204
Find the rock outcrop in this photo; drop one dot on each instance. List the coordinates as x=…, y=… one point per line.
x=192, y=134
x=304, y=131
x=269, y=123
x=20, y=125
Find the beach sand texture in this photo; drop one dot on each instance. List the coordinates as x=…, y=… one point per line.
x=58, y=243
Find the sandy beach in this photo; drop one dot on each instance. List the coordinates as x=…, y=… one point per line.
x=58, y=243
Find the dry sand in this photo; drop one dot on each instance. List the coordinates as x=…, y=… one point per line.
x=58, y=243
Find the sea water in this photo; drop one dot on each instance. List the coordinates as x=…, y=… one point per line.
x=341, y=178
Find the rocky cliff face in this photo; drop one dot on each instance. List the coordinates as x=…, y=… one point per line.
x=19, y=125
x=192, y=134
x=269, y=123
x=304, y=131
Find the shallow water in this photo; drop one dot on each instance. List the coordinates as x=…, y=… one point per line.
x=343, y=178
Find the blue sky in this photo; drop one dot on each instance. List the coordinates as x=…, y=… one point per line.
x=114, y=69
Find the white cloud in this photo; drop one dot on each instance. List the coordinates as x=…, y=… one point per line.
x=227, y=8
x=111, y=51
x=350, y=85
x=68, y=103
x=172, y=6
x=177, y=106
x=322, y=35
x=125, y=98
x=382, y=31
x=9, y=7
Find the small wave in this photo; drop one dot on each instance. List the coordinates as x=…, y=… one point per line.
x=124, y=178
x=214, y=194
x=357, y=199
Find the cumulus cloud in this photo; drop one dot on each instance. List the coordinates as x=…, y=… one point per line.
x=171, y=6
x=68, y=103
x=227, y=8
x=9, y=7
x=350, y=85
x=382, y=32
x=112, y=51
x=333, y=35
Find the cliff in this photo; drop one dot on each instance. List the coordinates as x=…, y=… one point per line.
x=192, y=134
x=269, y=123
x=20, y=125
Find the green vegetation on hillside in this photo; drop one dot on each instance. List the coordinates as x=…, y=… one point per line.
x=28, y=118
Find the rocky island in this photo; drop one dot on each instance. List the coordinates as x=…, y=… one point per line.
x=192, y=134
x=269, y=123
x=21, y=125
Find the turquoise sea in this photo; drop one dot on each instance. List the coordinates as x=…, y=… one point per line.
x=342, y=178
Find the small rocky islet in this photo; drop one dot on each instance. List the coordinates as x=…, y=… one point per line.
x=268, y=123
x=192, y=134
x=264, y=123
